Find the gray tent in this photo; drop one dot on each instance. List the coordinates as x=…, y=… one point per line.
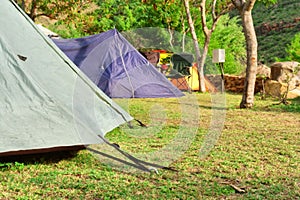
x=46, y=101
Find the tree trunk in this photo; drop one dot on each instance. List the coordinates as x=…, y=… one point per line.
x=204, y=55
x=251, y=44
x=23, y=5
x=208, y=32
x=184, y=32
x=32, y=12
x=196, y=45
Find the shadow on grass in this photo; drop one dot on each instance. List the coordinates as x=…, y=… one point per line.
x=293, y=106
x=33, y=158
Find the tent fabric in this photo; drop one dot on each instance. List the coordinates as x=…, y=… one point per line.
x=46, y=101
x=48, y=32
x=182, y=62
x=116, y=67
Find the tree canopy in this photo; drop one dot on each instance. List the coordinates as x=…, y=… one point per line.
x=77, y=18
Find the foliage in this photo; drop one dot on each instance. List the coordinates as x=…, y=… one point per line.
x=70, y=18
x=272, y=44
x=54, y=8
x=268, y=52
x=115, y=14
x=125, y=16
x=293, y=50
x=229, y=36
x=294, y=106
x=281, y=10
x=82, y=18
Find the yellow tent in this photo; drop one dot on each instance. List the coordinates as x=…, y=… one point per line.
x=192, y=80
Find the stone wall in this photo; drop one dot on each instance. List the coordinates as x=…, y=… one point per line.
x=276, y=80
x=233, y=83
x=236, y=84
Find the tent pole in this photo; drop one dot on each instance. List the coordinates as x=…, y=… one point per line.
x=132, y=90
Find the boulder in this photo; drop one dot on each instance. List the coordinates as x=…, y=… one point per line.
x=263, y=71
x=294, y=93
x=285, y=72
x=277, y=89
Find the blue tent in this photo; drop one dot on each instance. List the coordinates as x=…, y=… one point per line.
x=116, y=67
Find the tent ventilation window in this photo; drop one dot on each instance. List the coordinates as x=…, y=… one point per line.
x=23, y=58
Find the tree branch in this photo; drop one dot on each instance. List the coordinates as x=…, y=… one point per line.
x=229, y=7
x=46, y=15
x=249, y=5
x=32, y=13
x=203, y=17
x=238, y=4
x=214, y=25
x=214, y=10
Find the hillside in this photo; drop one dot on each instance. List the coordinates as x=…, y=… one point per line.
x=275, y=27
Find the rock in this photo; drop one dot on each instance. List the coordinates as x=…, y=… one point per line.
x=294, y=93
x=285, y=72
x=263, y=71
x=277, y=89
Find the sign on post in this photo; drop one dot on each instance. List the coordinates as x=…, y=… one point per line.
x=219, y=58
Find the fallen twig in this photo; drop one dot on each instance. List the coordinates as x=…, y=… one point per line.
x=239, y=190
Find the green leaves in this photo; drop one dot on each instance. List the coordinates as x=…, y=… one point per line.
x=293, y=50
x=229, y=36
x=16, y=166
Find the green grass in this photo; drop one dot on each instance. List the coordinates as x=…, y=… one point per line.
x=257, y=152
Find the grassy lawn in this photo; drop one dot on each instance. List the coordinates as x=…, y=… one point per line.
x=219, y=152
